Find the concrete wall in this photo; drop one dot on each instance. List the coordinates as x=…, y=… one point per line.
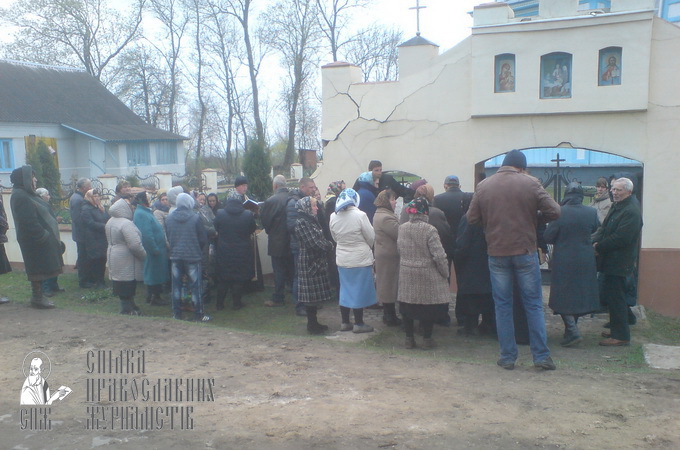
x=446, y=118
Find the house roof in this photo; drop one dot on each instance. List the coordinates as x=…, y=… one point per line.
x=31, y=93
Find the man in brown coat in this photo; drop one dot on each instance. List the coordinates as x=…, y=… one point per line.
x=508, y=205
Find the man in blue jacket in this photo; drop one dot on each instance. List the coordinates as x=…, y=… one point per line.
x=187, y=238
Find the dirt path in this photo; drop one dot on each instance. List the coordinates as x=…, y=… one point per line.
x=302, y=392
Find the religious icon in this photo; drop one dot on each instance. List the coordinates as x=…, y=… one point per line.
x=505, y=73
x=556, y=75
x=610, y=66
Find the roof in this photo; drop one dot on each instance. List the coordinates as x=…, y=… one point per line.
x=417, y=40
x=32, y=93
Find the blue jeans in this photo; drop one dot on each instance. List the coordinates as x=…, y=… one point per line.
x=528, y=275
x=192, y=270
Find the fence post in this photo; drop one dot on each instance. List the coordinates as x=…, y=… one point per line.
x=210, y=180
x=164, y=180
x=109, y=183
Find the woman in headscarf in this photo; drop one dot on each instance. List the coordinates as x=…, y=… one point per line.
x=386, y=228
x=367, y=192
x=153, y=240
x=314, y=287
x=573, y=284
x=423, y=274
x=161, y=208
x=93, y=219
x=354, y=236
x=234, y=259
x=37, y=234
x=125, y=255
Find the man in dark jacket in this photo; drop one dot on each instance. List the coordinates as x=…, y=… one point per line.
x=615, y=244
x=507, y=205
x=307, y=187
x=273, y=216
x=451, y=202
x=187, y=238
x=75, y=205
x=37, y=234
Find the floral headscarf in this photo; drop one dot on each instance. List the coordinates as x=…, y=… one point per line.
x=348, y=197
x=304, y=205
x=335, y=187
x=418, y=206
x=366, y=177
x=94, y=201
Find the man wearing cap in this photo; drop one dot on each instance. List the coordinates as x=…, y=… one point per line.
x=508, y=205
x=241, y=187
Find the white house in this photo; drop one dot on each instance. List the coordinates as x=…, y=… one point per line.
x=90, y=131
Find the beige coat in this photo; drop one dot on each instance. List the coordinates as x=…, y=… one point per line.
x=125, y=255
x=386, y=255
x=423, y=268
x=354, y=235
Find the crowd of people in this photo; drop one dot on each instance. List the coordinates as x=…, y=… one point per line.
x=378, y=244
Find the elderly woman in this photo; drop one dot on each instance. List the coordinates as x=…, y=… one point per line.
x=314, y=287
x=423, y=273
x=153, y=240
x=37, y=234
x=93, y=219
x=161, y=208
x=354, y=236
x=235, y=261
x=386, y=228
x=125, y=255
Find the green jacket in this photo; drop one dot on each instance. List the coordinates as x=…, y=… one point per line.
x=618, y=237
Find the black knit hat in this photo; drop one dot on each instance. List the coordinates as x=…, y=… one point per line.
x=240, y=180
x=515, y=158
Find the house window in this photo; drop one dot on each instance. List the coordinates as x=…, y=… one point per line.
x=6, y=155
x=585, y=5
x=166, y=152
x=138, y=154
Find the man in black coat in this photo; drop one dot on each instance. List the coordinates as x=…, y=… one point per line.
x=615, y=244
x=273, y=216
x=75, y=205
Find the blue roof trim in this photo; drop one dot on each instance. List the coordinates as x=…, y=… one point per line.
x=83, y=133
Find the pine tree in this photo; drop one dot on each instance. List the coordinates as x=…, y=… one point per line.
x=51, y=178
x=257, y=166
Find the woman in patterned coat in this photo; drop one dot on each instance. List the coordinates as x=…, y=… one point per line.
x=314, y=286
x=423, y=274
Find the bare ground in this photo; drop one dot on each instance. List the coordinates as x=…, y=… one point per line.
x=300, y=392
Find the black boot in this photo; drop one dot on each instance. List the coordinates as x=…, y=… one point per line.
x=38, y=300
x=313, y=326
x=157, y=300
x=149, y=295
x=571, y=334
x=390, y=315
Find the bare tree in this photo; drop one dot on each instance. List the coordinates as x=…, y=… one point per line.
x=85, y=33
x=175, y=20
x=142, y=82
x=240, y=10
x=293, y=30
x=374, y=49
x=333, y=18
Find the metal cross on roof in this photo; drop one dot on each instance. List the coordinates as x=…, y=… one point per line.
x=418, y=8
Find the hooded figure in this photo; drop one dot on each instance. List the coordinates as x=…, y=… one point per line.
x=37, y=234
x=573, y=285
x=173, y=192
x=125, y=255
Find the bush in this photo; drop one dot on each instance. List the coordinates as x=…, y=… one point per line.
x=257, y=166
